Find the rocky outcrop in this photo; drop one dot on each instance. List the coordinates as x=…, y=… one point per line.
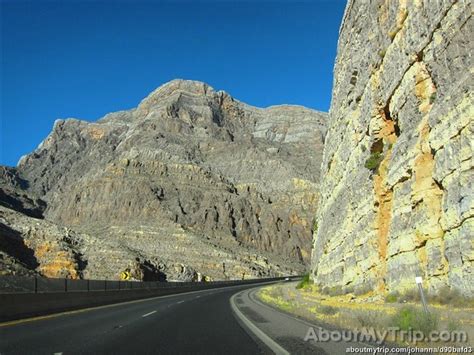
x=191, y=179
x=14, y=196
x=397, y=196
x=30, y=246
x=37, y=246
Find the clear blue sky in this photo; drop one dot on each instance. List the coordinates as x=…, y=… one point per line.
x=87, y=58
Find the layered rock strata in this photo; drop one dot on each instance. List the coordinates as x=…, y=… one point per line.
x=397, y=195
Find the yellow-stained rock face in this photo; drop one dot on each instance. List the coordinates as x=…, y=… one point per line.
x=59, y=268
x=384, y=198
x=55, y=259
x=403, y=97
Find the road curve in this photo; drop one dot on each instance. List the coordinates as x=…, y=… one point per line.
x=200, y=322
x=284, y=333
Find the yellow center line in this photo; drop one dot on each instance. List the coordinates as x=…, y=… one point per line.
x=54, y=315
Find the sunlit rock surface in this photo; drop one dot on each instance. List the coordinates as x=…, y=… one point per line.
x=191, y=179
x=402, y=96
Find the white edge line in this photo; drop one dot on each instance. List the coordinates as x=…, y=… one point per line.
x=148, y=314
x=179, y=302
x=277, y=349
x=252, y=297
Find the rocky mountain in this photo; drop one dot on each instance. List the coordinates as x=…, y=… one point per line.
x=190, y=181
x=397, y=193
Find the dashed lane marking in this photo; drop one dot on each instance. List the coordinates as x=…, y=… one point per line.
x=119, y=304
x=148, y=314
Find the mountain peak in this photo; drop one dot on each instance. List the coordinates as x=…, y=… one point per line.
x=187, y=161
x=190, y=86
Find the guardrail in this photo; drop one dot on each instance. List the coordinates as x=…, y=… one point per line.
x=22, y=284
x=22, y=297
x=15, y=284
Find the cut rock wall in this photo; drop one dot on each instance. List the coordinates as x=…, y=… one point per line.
x=397, y=193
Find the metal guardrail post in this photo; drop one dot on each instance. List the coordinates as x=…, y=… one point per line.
x=105, y=285
x=65, y=285
x=88, y=286
x=119, y=285
x=36, y=284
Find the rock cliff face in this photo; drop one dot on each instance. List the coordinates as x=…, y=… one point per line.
x=191, y=178
x=14, y=196
x=397, y=196
x=31, y=246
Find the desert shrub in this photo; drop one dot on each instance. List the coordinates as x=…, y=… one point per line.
x=370, y=319
x=411, y=295
x=416, y=319
x=453, y=325
x=453, y=297
x=427, y=322
x=405, y=318
x=446, y=295
x=304, y=283
x=392, y=297
x=327, y=310
x=373, y=162
x=333, y=291
x=365, y=318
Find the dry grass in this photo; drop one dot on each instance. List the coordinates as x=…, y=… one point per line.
x=349, y=311
x=269, y=296
x=448, y=296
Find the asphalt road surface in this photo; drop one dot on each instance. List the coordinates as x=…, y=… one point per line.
x=200, y=322
x=215, y=321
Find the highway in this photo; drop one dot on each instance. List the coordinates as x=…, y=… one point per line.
x=199, y=322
